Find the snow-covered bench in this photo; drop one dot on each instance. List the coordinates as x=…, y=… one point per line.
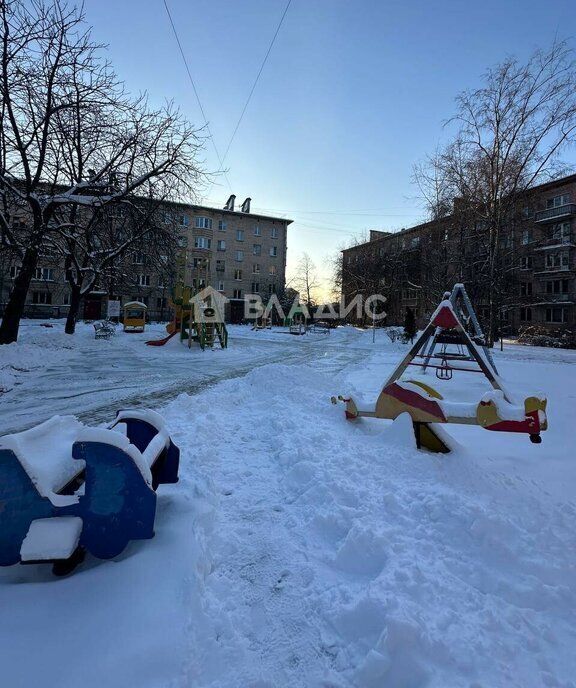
x=320, y=328
x=65, y=487
x=104, y=329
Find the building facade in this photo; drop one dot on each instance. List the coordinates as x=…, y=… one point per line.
x=237, y=252
x=536, y=271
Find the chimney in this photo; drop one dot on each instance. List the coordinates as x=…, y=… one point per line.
x=246, y=205
x=230, y=202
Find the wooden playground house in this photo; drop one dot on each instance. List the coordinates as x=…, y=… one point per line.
x=135, y=316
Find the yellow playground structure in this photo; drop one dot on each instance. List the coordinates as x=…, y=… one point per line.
x=197, y=318
x=135, y=316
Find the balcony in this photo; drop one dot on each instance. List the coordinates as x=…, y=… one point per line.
x=553, y=214
x=566, y=241
x=552, y=270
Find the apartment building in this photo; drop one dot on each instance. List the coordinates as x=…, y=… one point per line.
x=235, y=251
x=537, y=263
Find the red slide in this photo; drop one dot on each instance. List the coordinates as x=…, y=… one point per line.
x=161, y=342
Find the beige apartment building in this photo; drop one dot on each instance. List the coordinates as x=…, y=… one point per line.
x=233, y=250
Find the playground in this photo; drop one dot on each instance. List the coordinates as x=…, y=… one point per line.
x=296, y=548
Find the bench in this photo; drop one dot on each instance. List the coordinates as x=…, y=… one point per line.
x=66, y=488
x=320, y=328
x=104, y=329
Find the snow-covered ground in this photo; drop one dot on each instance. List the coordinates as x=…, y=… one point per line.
x=298, y=549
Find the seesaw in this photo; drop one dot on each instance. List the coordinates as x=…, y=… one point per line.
x=495, y=411
x=66, y=489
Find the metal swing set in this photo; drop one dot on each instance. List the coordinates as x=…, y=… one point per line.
x=426, y=406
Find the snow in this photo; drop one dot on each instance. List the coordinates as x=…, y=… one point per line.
x=299, y=549
x=45, y=452
x=51, y=538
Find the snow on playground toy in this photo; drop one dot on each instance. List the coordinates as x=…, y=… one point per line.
x=495, y=411
x=66, y=489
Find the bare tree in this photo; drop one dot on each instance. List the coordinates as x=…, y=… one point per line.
x=511, y=134
x=306, y=280
x=72, y=144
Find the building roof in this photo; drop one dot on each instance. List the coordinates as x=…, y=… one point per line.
x=387, y=236
x=222, y=211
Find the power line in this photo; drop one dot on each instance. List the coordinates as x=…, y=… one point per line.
x=196, y=94
x=256, y=80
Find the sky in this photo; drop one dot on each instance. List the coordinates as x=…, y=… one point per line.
x=351, y=96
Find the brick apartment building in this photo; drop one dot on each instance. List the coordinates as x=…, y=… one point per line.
x=237, y=252
x=414, y=266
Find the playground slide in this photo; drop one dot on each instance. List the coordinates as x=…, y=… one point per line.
x=161, y=342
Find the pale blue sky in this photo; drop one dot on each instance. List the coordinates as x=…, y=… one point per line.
x=353, y=94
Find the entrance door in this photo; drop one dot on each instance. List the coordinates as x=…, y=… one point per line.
x=92, y=307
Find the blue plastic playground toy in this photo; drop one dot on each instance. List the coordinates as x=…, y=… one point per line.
x=65, y=488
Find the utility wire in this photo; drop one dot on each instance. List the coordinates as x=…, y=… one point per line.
x=220, y=160
x=255, y=80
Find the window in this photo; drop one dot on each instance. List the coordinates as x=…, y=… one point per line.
x=138, y=258
x=202, y=242
x=237, y=274
x=66, y=299
x=556, y=315
x=183, y=242
x=526, y=237
x=525, y=288
x=273, y=251
x=239, y=256
x=255, y=268
x=257, y=249
x=558, y=201
x=271, y=288
x=239, y=235
x=221, y=226
x=183, y=220
x=14, y=270
x=44, y=297
x=46, y=274
x=167, y=218
x=161, y=302
x=527, y=212
x=220, y=266
x=220, y=285
x=200, y=263
x=414, y=242
x=557, y=261
x=557, y=286
x=143, y=280
x=203, y=223
x=18, y=223
x=272, y=270
x=274, y=232
x=237, y=294
x=198, y=283
x=526, y=263
x=257, y=230
x=255, y=287
x=561, y=232
x=221, y=246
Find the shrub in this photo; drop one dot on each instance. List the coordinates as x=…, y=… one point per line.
x=537, y=335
